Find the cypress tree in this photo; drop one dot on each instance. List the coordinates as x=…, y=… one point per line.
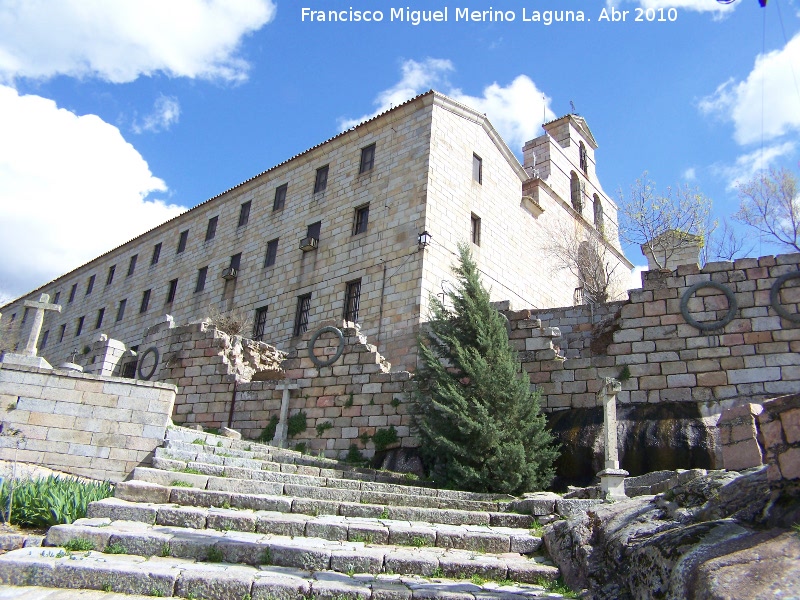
x=480, y=426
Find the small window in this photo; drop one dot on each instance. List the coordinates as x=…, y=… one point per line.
x=57, y=297
x=260, y=324
x=173, y=287
x=211, y=230
x=61, y=333
x=280, y=197
x=110, y=276
x=145, y=301
x=13, y=316
x=313, y=230
x=121, y=310
x=321, y=180
x=24, y=315
x=201, y=280
x=43, y=343
x=272, y=253
x=72, y=291
x=301, y=316
x=236, y=260
x=182, y=241
x=156, y=254
x=100, y=314
x=584, y=161
x=352, y=299
x=129, y=370
x=90, y=285
x=244, y=214
x=477, y=168
x=598, y=214
x=132, y=265
x=475, y=230
x=367, y=158
x=361, y=219
x=79, y=326
x=575, y=192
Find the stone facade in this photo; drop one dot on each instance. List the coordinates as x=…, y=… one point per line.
x=436, y=165
x=98, y=427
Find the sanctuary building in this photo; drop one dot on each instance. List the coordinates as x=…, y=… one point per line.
x=362, y=228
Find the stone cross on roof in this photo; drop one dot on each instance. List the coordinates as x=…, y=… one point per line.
x=39, y=307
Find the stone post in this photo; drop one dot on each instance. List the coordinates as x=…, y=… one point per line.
x=612, y=478
x=28, y=356
x=282, y=430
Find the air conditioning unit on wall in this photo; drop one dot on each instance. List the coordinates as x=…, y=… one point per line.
x=229, y=273
x=309, y=243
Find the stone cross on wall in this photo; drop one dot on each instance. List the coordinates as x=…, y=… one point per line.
x=39, y=307
x=612, y=478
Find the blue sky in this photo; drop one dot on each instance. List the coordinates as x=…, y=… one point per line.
x=116, y=115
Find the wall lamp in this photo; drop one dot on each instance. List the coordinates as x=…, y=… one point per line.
x=424, y=239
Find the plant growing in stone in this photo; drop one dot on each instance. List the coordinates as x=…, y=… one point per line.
x=232, y=322
x=268, y=433
x=296, y=424
x=384, y=438
x=480, y=425
x=323, y=427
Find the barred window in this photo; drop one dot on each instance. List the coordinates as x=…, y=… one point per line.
x=584, y=161
x=301, y=316
x=260, y=324
x=352, y=300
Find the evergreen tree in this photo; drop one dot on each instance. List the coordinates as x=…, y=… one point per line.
x=480, y=426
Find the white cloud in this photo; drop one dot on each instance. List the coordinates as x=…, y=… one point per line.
x=748, y=165
x=122, y=40
x=166, y=112
x=689, y=174
x=719, y=9
x=70, y=188
x=768, y=95
x=515, y=110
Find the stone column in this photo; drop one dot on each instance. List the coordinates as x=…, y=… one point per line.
x=612, y=478
x=28, y=356
x=282, y=430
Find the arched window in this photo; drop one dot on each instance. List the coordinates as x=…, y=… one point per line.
x=598, y=214
x=575, y=192
x=584, y=160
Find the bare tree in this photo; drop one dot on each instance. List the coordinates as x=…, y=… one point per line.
x=662, y=222
x=233, y=322
x=770, y=204
x=585, y=254
x=724, y=242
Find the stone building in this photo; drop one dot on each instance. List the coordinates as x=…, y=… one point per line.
x=333, y=233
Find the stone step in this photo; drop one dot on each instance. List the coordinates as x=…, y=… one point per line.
x=150, y=485
x=478, y=538
x=313, y=554
x=175, y=577
x=318, y=488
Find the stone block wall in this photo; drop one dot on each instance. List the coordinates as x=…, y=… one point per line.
x=779, y=437
x=99, y=427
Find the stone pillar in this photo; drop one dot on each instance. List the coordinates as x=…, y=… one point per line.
x=282, y=430
x=28, y=356
x=612, y=478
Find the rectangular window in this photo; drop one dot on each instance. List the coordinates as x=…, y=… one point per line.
x=361, y=218
x=301, y=316
x=121, y=310
x=280, y=197
x=477, y=168
x=211, y=230
x=475, y=230
x=244, y=214
x=99, y=323
x=173, y=287
x=321, y=180
x=201, y=280
x=129, y=370
x=72, y=291
x=61, y=333
x=24, y=315
x=145, y=301
x=57, y=297
x=132, y=265
x=90, y=285
x=79, y=327
x=351, y=300
x=236, y=260
x=110, y=276
x=260, y=324
x=272, y=253
x=313, y=230
x=43, y=343
x=367, y=159
x=182, y=241
x=156, y=253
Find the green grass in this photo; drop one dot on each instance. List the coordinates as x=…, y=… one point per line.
x=437, y=572
x=477, y=579
x=214, y=555
x=190, y=471
x=177, y=483
x=165, y=550
x=115, y=548
x=364, y=539
x=79, y=545
x=557, y=587
x=384, y=514
x=537, y=529
x=52, y=500
x=199, y=441
x=420, y=542
x=266, y=556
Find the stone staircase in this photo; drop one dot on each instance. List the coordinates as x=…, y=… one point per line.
x=222, y=518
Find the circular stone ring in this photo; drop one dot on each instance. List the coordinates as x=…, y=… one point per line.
x=709, y=325
x=150, y=373
x=326, y=363
x=774, y=297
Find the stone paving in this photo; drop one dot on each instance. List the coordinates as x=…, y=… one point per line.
x=253, y=521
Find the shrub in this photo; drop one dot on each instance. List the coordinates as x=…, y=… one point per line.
x=52, y=500
x=79, y=545
x=384, y=438
x=268, y=434
x=354, y=456
x=323, y=427
x=296, y=424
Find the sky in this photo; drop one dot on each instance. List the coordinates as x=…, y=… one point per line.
x=116, y=115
